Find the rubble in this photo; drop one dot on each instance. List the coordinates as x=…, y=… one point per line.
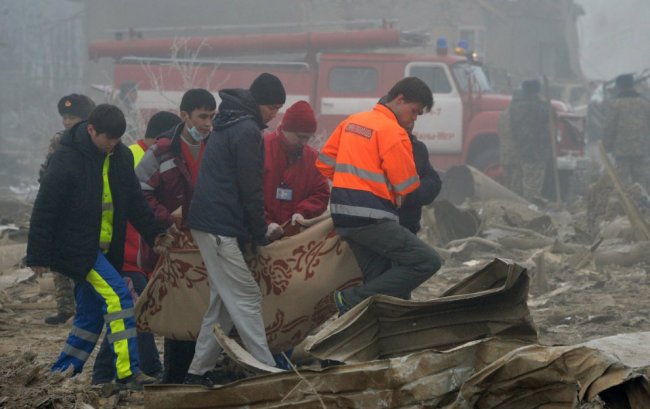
x=587, y=272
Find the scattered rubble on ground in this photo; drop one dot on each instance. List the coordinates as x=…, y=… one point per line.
x=588, y=280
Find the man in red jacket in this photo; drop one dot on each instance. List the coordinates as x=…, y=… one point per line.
x=167, y=175
x=294, y=190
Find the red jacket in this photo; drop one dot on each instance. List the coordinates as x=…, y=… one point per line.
x=166, y=177
x=292, y=171
x=132, y=240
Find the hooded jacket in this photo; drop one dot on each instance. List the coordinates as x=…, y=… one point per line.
x=67, y=215
x=228, y=197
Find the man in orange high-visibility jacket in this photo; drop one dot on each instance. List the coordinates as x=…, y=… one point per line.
x=370, y=162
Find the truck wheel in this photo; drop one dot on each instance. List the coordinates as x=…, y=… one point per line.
x=488, y=163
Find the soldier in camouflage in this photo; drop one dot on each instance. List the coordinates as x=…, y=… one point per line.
x=626, y=133
x=73, y=108
x=529, y=122
x=510, y=162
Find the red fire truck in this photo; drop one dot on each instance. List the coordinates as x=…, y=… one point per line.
x=339, y=73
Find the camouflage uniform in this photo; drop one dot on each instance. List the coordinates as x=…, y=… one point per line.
x=529, y=122
x=63, y=286
x=626, y=135
x=510, y=163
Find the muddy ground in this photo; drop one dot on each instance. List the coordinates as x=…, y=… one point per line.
x=570, y=302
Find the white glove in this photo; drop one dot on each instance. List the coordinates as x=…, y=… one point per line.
x=274, y=231
x=297, y=218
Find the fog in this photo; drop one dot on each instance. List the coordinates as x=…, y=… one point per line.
x=44, y=45
x=614, y=37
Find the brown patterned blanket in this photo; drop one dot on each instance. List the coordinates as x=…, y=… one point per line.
x=297, y=276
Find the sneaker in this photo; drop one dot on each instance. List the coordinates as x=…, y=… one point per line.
x=136, y=382
x=193, y=379
x=58, y=319
x=282, y=360
x=341, y=306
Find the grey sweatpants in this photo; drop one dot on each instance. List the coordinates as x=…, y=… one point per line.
x=393, y=260
x=234, y=297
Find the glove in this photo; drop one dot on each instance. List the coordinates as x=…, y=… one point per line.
x=274, y=231
x=297, y=218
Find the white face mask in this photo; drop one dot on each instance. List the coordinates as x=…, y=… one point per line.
x=195, y=134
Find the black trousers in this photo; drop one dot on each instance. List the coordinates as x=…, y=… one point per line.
x=178, y=357
x=393, y=260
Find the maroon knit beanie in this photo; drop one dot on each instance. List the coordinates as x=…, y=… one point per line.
x=299, y=118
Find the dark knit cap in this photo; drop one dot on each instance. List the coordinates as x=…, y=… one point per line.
x=160, y=123
x=299, y=118
x=267, y=89
x=624, y=81
x=531, y=87
x=77, y=105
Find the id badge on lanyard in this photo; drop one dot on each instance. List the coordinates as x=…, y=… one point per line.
x=284, y=192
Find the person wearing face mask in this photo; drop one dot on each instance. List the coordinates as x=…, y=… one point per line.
x=167, y=171
x=167, y=175
x=294, y=190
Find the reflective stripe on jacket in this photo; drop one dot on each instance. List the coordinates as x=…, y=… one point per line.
x=106, y=233
x=370, y=161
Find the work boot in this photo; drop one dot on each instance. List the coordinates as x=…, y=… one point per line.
x=58, y=319
x=193, y=379
x=107, y=389
x=341, y=306
x=136, y=382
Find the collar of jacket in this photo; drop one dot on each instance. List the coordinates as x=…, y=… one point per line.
x=78, y=138
x=384, y=110
x=236, y=105
x=176, y=139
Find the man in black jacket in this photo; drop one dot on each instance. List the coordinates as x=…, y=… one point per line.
x=411, y=211
x=87, y=194
x=227, y=208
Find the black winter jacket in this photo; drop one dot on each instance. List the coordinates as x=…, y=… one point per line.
x=228, y=197
x=430, y=184
x=66, y=219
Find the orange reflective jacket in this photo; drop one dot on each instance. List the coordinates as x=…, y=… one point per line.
x=370, y=161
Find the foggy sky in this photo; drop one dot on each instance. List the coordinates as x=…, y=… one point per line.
x=614, y=37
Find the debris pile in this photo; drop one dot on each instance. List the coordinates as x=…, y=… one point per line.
x=480, y=333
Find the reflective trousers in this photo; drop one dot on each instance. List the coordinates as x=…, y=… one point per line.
x=102, y=298
x=103, y=370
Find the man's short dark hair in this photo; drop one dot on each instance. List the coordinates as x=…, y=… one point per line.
x=198, y=98
x=108, y=119
x=414, y=90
